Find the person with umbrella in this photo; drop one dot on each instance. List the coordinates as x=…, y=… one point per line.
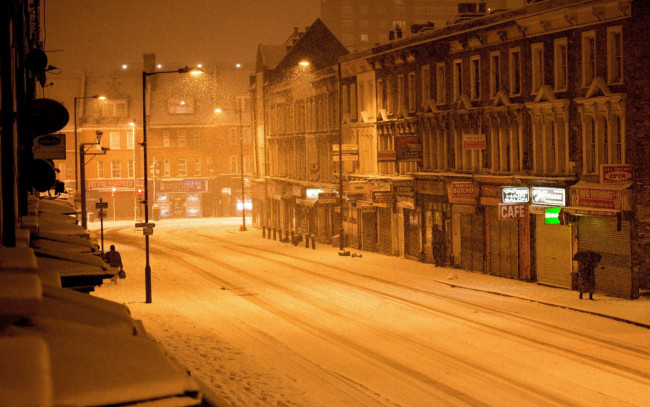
x=587, y=261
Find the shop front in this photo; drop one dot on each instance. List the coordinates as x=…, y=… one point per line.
x=467, y=226
x=507, y=230
x=436, y=212
x=601, y=214
x=180, y=198
x=552, y=237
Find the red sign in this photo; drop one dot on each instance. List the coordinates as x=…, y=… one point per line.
x=616, y=174
x=596, y=198
x=474, y=142
x=513, y=211
x=463, y=192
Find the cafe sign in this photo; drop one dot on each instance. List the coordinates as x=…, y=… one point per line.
x=515, y=195
x=513, y=211
x=548, y=196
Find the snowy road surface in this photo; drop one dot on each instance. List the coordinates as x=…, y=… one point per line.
x=269, y=324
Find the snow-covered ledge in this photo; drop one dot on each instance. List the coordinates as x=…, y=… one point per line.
x=26, y=374
x=30, y=223
x=21, y=289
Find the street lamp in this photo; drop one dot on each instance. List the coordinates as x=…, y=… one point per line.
x=238, y=110
x=145, y=75
x=82, y=173
x=76, y=145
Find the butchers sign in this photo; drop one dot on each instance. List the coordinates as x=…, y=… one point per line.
x=513, y=211
x=616, y=173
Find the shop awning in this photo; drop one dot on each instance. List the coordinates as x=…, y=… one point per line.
x=589, y=211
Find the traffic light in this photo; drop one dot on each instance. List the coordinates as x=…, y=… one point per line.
x=113, y=192
x=139, y=192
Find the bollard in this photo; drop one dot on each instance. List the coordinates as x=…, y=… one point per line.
x=306, y=241
x=263, y=231
x=274, y=233
x=291, y=240
x=313, y=242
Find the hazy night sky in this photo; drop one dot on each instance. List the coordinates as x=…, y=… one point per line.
x=101, y=35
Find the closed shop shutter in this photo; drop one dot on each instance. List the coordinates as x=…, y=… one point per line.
x=369, y=225
x=412, y=234
x=504, y=245
x=553, y=253
x=614, y=272
x=472, y=241
x=384, y=241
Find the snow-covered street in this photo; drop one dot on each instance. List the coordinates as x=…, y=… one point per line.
x=266, y=323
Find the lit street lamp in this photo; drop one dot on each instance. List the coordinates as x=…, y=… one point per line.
x=238, y=110
x=145, y=75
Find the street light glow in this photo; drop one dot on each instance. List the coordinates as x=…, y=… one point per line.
x=101, y=97
x=304, y=64
x=124, y=66
x=218, y=110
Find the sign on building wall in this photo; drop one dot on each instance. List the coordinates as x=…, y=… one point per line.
x=49, y=147
x=597, y=198
x=386, y=155
x=187, y=185
x=408, y=148
x=349, y=152
x=552, y=216
x=474, y=142
x=515, y=195
x=463, y=193
x=404, y=187
x=548, y=196
x=513, y=211
x=616, y=173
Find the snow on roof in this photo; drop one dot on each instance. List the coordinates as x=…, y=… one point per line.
x=25, y=377
x=70, y=252
x=68, y=268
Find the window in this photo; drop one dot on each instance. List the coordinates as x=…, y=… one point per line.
x=196, y=139
x=116, y=169
x=560, y=62
x=345, y=99
x=537, y=74
x=389, y=96
x=197, y=167
x=130, y=140
x=411, y=92
x=614, y=55
x=353, y=101
x=233, y=164
x=167, y=171
x=248, y=162
x=495, y=73
x=364, y=37
x=130, y=169
x=400, y=92
x=165, y=138
x=381, y=95
x=180, y=106
x=475, y=77
x=114, y=140
x=100, y=169
x=426, y=85
x=181, y=140
x=181, y=165
x=588, y=57
x=457, y=78
x=440, y=84
x=113, y=108
x=234, y=135
x=515, y=72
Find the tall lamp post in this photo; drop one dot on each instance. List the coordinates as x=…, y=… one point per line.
x=145, y=75
x=76, y=143
x=82, y=173
x=238, y=110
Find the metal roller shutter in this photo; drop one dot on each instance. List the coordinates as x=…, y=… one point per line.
x=553, y=253
x=384, y=244
x=614, y=272
x=504, y=245
x=472, y=237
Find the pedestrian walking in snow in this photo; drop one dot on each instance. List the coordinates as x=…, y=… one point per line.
x=587, y=262
x=438, y=246
x=114, y=260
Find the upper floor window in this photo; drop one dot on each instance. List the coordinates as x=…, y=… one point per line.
x=381, y=94
x=181, y=139
x=400, y=91
x=181, y=165
x=180, y=105
x=100, y=169
x=130, y=142
x=515, y=71
x=411, y=92
x=196, y=139
x=114, y=108
x=353, y=101
x=165, y=138
x=167, y=170
x=588, y=57
x=475, y=77
x=130, y=169
x=560, y=62
x=233, y=164
x=115, y=140
x=458, y=78
x=440, y=84
x=495, y=73
x=116, y=169
x=614, y=54
x=537, y=66
x=345, y=99
x=197, y=167
x=426, y=84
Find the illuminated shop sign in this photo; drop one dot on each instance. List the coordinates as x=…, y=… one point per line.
x=552, y=216
x=312, y=193
x=515, y=195
x=549, y=196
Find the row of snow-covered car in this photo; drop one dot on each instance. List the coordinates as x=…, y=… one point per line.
x=60, y=346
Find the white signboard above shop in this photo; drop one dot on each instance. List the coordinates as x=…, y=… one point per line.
x=549, y=196
x=515, y=195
